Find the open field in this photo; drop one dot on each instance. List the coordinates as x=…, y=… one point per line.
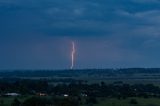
x=126, y=102
x=7, y=101
x=104, y=101
x=130, y=76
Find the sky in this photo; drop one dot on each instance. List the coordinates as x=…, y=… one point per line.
x=37, y=34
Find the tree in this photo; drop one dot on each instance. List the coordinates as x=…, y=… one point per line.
x=91, y=100
x=37, y=101
x=66, y=102
x=133, y=101
x=16, y=102
x=1, y=102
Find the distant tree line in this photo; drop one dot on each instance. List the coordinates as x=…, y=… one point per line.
x=70, y=73
x=118, y=90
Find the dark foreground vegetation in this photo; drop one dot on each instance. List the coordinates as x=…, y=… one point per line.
x=41, y=93
x=107, y=87
x=117, y=89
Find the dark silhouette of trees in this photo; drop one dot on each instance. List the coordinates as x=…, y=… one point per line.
x=66, y=101
x=37, y=101
x=16, y=102
x=133, y=101
x=76, y=91
x=91, y=100
x=1, y=102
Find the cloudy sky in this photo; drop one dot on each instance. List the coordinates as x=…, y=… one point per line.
x=37, y=34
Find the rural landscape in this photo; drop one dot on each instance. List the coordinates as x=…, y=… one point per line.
x=96, y=87
x=79, y=52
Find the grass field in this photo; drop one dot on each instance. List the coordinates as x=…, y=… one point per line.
x=103, y=101
x=7, y=101
x=126, y=102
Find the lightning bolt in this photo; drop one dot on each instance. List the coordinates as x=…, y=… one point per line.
x=73, y=55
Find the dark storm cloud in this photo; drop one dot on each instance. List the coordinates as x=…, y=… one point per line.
x=71, y=17
x=118, y=33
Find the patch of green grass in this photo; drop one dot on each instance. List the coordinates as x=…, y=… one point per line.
x=8, y=100
x=126, y=102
